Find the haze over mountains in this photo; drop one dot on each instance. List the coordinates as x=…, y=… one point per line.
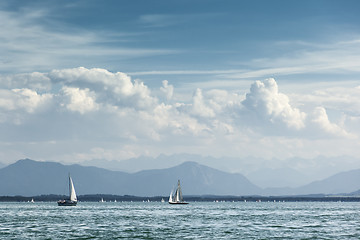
x=29, y=178
x=268, y=175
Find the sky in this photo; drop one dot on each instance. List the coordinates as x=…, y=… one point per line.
x=115, y=80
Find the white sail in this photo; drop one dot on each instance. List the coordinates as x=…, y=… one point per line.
x=177, y=197
x=178, y=194
x=72, y=190
x=170, y=198
x=72, y=195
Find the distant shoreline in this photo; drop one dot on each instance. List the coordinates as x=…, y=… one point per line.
x=204, y=198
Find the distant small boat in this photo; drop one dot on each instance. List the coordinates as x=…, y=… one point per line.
x=162, y=200
x=32, y=200
x=72, y=201
x=102, y=200
x=177, y=197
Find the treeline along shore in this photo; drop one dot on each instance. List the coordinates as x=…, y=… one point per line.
x=204, y=198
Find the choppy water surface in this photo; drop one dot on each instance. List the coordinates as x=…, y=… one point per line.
x=225, y=220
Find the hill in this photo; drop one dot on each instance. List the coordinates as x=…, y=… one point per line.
x=344, y=182
x=28, y=178
x=341, y=183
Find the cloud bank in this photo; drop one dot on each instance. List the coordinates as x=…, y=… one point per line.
x=98, y=109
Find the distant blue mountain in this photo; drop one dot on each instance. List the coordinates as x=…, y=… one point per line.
x=344, y=182
x=28, y=178
x=267, y=176
x=341, y=183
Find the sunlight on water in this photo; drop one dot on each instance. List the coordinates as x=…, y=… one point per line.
x=239, y=220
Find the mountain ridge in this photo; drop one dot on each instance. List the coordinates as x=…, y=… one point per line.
x=263, y=173
x=28, y=177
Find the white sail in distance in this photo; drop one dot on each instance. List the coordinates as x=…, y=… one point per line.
x=177, y=197
x=178, y=194
x=170, y=198
x=72, y=190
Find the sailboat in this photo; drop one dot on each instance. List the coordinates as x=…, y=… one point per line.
x=177, y=197
x=72, y=201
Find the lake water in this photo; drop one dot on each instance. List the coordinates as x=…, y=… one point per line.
x=197, y=220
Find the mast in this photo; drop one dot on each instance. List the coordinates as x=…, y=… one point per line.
x=70, y=186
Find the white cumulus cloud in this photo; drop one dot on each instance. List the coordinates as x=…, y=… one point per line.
x=265, y=100
x=117, y=88
x=321, y=119
x=80, y=100
x=23, y=99
x=15, y=104
x=167, y=89
x=199, y=106
x=124, y=112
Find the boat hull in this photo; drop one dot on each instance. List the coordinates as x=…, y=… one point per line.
x=178, y=203
x=66, y=203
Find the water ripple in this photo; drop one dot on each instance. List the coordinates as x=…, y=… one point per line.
x=194, y=221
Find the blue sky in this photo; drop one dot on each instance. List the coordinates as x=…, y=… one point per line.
x=112, y=80
x=170, y=37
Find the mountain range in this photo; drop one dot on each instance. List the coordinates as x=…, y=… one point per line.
x=262, y=172
x=29, y=178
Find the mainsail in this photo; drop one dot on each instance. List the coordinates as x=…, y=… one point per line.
x=72, y=190
x=178, y=194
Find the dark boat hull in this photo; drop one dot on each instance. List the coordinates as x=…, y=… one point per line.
x=66, y=203
x=178, y=203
